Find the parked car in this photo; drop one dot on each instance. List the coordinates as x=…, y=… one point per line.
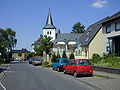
x=78, y=67
x=31, y=60
x=59, y=63
x=37, y=62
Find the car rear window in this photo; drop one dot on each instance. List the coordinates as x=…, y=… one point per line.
x=64, y=61
x=83, y=62
x=37, y=60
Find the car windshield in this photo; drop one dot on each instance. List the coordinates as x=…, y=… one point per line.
x=64, y=61
x=37, y=60
x=83, y=62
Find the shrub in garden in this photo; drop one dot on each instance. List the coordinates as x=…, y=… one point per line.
x=64, y=54
x=54, y=57
x=71, y=56
x=95, y=58
x=45, y=64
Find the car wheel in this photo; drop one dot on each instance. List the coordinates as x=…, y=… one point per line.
x=53, y=68
x=75, y=74
x=58, y=69
x=90, y=75
x=65, y=71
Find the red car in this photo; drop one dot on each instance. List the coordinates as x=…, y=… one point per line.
x=78, y=67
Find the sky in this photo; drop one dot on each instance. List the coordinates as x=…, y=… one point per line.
x=28, y=17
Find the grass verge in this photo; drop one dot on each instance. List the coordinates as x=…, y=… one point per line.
x=103, y=76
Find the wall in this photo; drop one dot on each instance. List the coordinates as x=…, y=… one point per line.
x=96, y=45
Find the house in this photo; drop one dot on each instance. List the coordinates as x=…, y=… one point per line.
x=100, y=37
x=15, y=54
x=111, y=32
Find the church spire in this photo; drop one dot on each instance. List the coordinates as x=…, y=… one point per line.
x=49, y=22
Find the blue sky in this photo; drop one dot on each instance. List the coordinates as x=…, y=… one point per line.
x=27, y=17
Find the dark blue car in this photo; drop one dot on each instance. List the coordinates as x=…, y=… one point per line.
x=59, y=63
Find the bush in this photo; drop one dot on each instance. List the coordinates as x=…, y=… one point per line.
x=64, y=54
x=54, y=57
x=95, y=58
x=45, y=64
x=71, y=56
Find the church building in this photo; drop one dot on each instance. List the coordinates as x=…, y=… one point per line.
x=62, y=41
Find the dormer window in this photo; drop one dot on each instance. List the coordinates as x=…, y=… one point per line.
x=90, y=29
x=88, y=33
x=86, y=39
x=108, y=28
x=117, y=26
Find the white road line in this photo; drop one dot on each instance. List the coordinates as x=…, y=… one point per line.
x=3, y=86
x=2, y=80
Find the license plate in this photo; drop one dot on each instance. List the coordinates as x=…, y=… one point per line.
x=84, y=72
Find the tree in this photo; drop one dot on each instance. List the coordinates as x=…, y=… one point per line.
x=78, y=28
x=7, y=43
x=64, y=54
x=54, y=57
x=46, y=44
x=71, y=56
x=58, y=55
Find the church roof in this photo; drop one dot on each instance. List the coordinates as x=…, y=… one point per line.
x=49, y=22
x=66, y=37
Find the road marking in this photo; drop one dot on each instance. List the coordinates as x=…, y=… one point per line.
x=3, y=86
x=2, y=80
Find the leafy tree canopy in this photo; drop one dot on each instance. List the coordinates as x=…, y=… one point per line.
x=78, y=28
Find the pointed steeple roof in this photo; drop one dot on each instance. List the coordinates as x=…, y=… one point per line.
x=49, y=22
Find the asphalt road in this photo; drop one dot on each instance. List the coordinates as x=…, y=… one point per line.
x=28, y=77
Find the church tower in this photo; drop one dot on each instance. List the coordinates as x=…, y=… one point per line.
x=49, y=29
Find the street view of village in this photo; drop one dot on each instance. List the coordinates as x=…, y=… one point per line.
x=83, y=55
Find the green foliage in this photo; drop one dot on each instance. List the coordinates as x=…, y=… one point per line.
x=95, y=58
x=54, y=57
x=108, y=60
x=45, y=45
x=64, y=54
x=38, y=50
x=78, y=28
x=71, y=56
x=19, y=54
x=46, y=64
x=7, y=43
x=58, y=55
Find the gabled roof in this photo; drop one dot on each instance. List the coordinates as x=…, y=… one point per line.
x=49, y=22
x=37, y=42
x=92, y=30
x=115, y=16
x=66, y=37
x=23, y=50
x=90, y=33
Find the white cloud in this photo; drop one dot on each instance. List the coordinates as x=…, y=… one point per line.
x=99, y=3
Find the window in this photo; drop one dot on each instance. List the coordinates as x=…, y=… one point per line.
x=48, y=32
x=83, y=62
x=86, y=39
x=117, y=26
x=108, y=28
x=90, y=29
x=88, y=33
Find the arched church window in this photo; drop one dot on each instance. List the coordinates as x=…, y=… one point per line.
x=48, y=32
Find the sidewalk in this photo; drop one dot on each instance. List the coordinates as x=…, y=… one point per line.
x=103, y=83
